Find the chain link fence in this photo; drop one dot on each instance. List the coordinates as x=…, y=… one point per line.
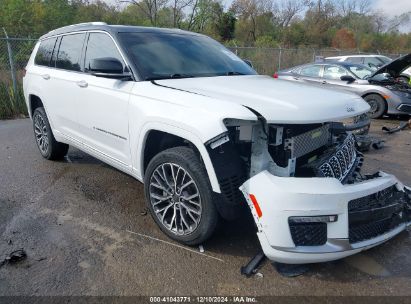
x=15, y=52
x=269, y=60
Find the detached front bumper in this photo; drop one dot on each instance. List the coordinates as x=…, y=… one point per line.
x=309, y=220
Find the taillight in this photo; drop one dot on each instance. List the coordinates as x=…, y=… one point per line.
x=275, y=75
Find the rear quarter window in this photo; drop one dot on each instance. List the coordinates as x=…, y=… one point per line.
x=45, y=51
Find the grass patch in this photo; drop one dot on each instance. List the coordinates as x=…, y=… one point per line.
x=11, y=105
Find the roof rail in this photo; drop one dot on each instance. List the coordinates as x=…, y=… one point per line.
x=84, y=23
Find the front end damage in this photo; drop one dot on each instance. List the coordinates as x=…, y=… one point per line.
x=305, y=190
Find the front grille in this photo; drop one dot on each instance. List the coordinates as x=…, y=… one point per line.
x=367, y=231
x=308, y=234
x=376, y=214
x=405, y=108
x=373, y=201
x=340, y=164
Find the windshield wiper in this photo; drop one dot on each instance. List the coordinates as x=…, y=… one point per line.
x=234, y=73
x=171, y=76
x=181, y=76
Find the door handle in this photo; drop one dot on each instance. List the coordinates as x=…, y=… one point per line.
x=46, y=76
x=296, y=78
x=324, y=82
x=82, y=84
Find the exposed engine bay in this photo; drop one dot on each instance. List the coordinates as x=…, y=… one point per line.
x=391, y=83
x=310, y=150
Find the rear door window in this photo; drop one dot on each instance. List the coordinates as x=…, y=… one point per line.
x=99, y=46
x=311, y=71
x=43, y=56
x=68, y=57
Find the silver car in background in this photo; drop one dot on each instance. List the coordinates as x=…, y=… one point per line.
x=374, y=62
x=380, y=89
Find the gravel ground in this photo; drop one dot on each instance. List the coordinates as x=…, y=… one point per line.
x=86, y=231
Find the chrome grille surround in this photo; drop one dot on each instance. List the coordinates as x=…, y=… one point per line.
x=340, y=164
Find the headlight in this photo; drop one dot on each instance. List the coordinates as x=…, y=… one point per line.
x=358, y=124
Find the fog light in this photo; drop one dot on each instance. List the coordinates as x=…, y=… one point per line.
x=314, y=219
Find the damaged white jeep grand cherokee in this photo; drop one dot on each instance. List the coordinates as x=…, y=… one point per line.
x=196, y=124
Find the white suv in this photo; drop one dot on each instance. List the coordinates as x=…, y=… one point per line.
x=195, y=123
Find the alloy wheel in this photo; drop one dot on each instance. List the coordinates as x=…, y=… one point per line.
x=41, y=133
x=175, y=199
x=374, y=106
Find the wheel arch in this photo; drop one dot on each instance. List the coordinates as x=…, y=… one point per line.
x=379, y=94
x=163, y=137
x=34, y=103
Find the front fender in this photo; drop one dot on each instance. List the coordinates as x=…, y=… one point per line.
x=138, y=159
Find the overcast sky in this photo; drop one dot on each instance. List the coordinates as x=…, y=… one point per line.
x=393, y=7
x=390, y=7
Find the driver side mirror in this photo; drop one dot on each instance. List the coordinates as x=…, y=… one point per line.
x=347, y=78
x=108, y=68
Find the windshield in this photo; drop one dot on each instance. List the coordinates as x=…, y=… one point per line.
x=360, y=71
x=163, y=56
x=384, y=59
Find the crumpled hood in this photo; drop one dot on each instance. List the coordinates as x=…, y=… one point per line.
x=395, y=67
x=279, y=101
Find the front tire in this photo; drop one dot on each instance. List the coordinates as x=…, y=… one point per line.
x=46, y=143
x=377, y=104
x=179, y=196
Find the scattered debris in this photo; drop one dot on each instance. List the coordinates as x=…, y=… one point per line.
x=144, y=212
x=9, y=242
x=259, y=275
x=291, y=270
x=41, y=259
x=377, y=145
x=365, y=142
x=201, y=248
x=402, y=126
x=252, y=266
x=14, y=257
x=175, y=245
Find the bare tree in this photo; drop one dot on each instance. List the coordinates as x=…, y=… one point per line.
x=178, y=7
x=201, y=13
x=380, y=21
x=250, y=10
x=150, y=8
x=284, y=11
x=348, y=7
x=396, y=22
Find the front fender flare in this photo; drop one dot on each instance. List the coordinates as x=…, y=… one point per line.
x=138, y=160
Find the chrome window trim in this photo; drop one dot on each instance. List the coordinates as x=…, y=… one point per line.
x=87, y=32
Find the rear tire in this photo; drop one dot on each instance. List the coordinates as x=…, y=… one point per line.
x=46, y=143
x=377, y=104
x=179, y=196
